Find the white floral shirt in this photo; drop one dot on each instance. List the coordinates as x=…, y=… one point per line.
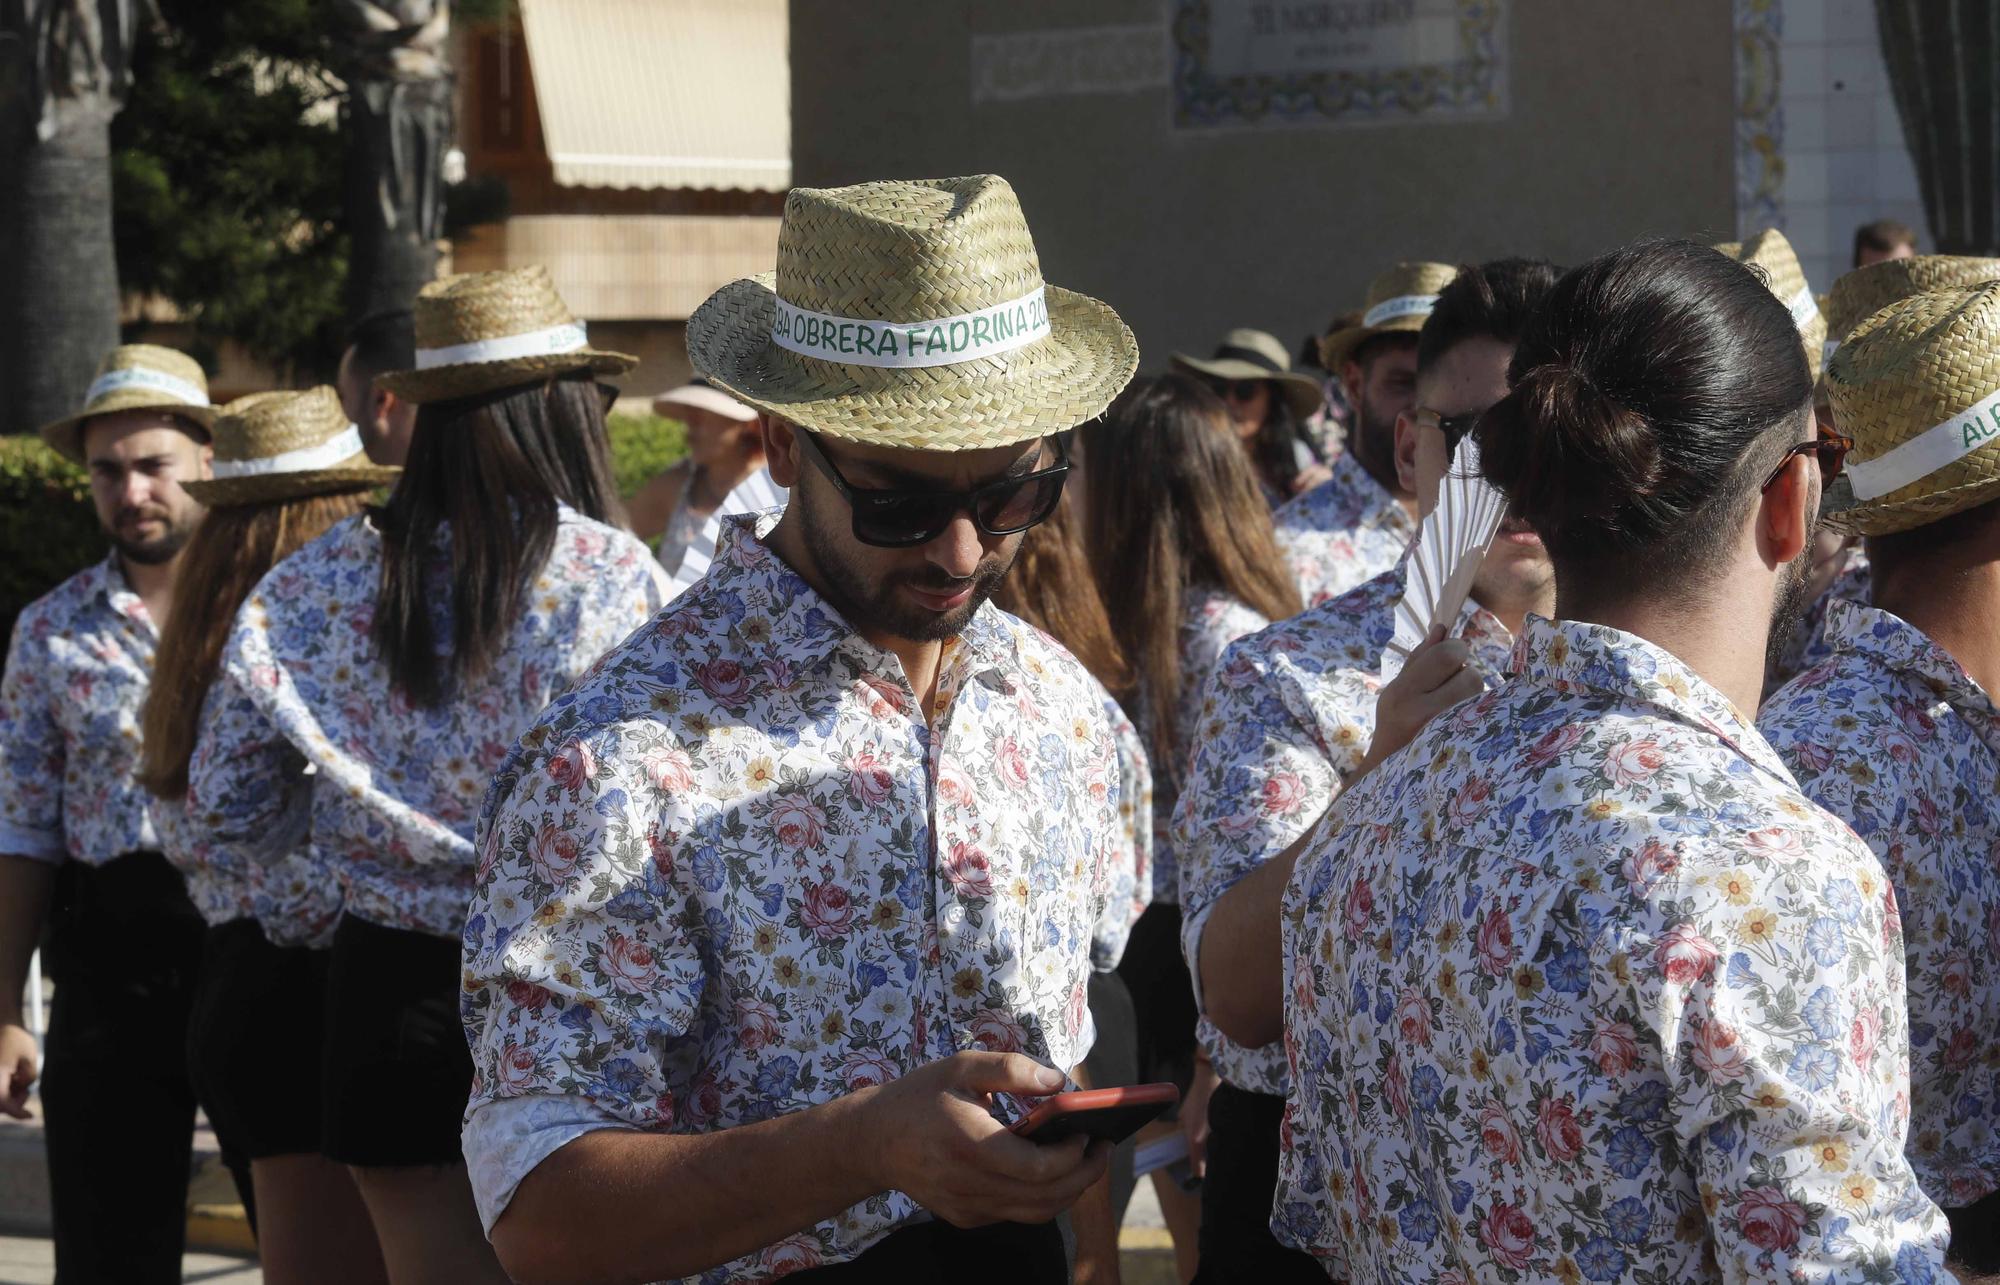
x=1892, y=736
x=1809, y=644
x=1579, y=986
x=1131, y=880
x=1212, y=622
x=77, y=671
x=397, y=786
x=294, y=897
x=1343, y=532
x=1288, y=718
x=736, y=874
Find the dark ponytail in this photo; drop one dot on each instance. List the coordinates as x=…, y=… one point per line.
x=1646, y=395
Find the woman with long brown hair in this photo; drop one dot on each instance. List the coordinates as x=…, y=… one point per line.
x=287, y=467
x=1187, y=562
x=397, y=659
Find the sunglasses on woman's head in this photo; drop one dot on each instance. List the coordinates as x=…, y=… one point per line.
x=897, y=518
x=1829, y=448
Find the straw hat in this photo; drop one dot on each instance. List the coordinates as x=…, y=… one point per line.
x=479, y=332
x=1256, y=354
x=1860, y=294
x=1772, y=254
x=1399, y=299
x=1917, y=387
x=135, y=377
x=702, y=395
x=285, y=446
x=914, y=315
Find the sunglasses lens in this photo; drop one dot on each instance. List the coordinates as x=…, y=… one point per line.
x=1832, y=458
x=898, y=521
x=1025, y=506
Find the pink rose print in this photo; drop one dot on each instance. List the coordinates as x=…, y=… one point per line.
x=1496, y=943
x=668, y=769
x=868, y=780
x=517, y=1070
x=1360, y=908
x=1508, y=1235
x=756, y=1023
x=1396, y=1087
x=527, y=994
x=1864, y=1036
x=1498, y=1135
x=554, y=853
x=968, y=870
x=827, y=911
x=1557, y=1130
x=1012, y=766
x=1468, y=803
x=995, y=1032
x=628, y=963
x=1684, y=956
x=724, y=680
x=572, y=767
x=1283, y=794
x=1554, y=743
x=954, y=788
x=1718, y=1050
x=1413, y=1018
x=793, y=1254
x=867, y=1068
x=798, y=822
x=1634, y=762
x=1776, y=842
x=1614, y=1046
x=1770, y=1219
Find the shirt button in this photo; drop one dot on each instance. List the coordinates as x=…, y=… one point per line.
x=954, y=915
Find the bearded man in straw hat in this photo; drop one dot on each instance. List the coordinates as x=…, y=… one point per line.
x=786, y=908
x=124, y=940
x=1898, y=733
x=1356, y=525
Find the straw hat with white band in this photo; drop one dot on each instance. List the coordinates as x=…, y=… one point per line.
x=285, y=446
x=1860, y=294
x=1398, y=300
x=702, y=395
x=136, y=377
x=1257, y=354
x=1917, y=386
x=1773, y=256
x=914, y=315
x=479, y=332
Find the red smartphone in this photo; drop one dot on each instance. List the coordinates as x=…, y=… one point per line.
x=1111, y=1114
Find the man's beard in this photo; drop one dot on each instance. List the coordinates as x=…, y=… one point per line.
x=1373, y=443
x=1790, y=606
x=151, y=553
x=877, y=605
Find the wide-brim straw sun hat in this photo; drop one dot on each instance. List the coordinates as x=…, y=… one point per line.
x=1774, y=259
x=286, y=446
x=702, y=395
x=1400, y=300
x=913, y=314
x=1860, y=294
x=1917, y=386
x=135, y=377
x=1257, y=354
x=480, y=332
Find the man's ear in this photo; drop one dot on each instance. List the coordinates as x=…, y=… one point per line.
x=1351, y=376
x=1406, y=452
x=1786, y=513
x=382, y=404
x=781, y=449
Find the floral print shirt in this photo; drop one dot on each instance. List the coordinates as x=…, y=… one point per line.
x=1213, y=620
x=1131, y=879
x=1809, y=644
x=1580, y=987
x=397, y=786
x=1343, y=532
x=1892, y=736
x=1288, y=718
x=294, y=898
x=77, y=671
x=736, y=873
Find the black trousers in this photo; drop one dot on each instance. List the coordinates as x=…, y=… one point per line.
x=1975, y=1236
x=124, y=949
x=1236, y=1239
x=1003, y=1254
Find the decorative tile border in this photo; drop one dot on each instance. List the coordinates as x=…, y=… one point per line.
x=1760, y=117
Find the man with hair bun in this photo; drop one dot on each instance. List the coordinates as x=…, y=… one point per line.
x=1579, y=985
x=1897, y=732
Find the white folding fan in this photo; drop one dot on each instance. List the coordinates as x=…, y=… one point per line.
x=1446, y=554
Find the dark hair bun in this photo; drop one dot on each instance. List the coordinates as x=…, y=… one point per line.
x=1578, y=434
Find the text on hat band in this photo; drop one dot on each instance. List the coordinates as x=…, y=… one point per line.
x=156, y=381
x=1929, y=451
x=1403, y=305
x=944, y=341
x=1804, y=307
x=535, y=343
x=341, y=446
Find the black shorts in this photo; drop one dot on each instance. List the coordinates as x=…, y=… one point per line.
x=254, y=1041
x=1156, y=974
x=397, y=1073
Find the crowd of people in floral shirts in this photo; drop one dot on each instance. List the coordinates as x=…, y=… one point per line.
x=517, y=907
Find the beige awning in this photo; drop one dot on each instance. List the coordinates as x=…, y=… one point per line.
x=663, y=93
x=611, y=267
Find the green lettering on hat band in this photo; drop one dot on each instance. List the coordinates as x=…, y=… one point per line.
x=943, y=341
x=1935, y=448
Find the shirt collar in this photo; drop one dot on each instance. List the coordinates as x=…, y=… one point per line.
x=1573, y=655
x=109, y=583
x=1900, y=647
x=805, y=628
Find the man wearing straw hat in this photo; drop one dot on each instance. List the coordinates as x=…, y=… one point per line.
x=1897, y=731
x=1356, y=525
x=788, y=907
x=77, y=848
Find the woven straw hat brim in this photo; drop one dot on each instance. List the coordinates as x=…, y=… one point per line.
x=267, y=488
x=65, y=436
x=1047, y=387
x=1302, y=391
x=1337, y=347
x=469, y=379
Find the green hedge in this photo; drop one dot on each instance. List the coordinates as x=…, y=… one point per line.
x=49, y=531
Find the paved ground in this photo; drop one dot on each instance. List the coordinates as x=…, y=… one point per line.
x=27, y=1261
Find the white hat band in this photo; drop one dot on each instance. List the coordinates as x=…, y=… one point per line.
x=1929, y=451
x=1804, y=307
x=333, y=450
x=1403, y=305
x=154, y=381
x=536, y=343
x=943, y=341
x=701, y=397
x=1832, y=347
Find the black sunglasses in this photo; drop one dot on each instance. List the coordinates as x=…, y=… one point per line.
x=896, y=519
x=1829, y=449
x=1236, y=390
x=1454, y=427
